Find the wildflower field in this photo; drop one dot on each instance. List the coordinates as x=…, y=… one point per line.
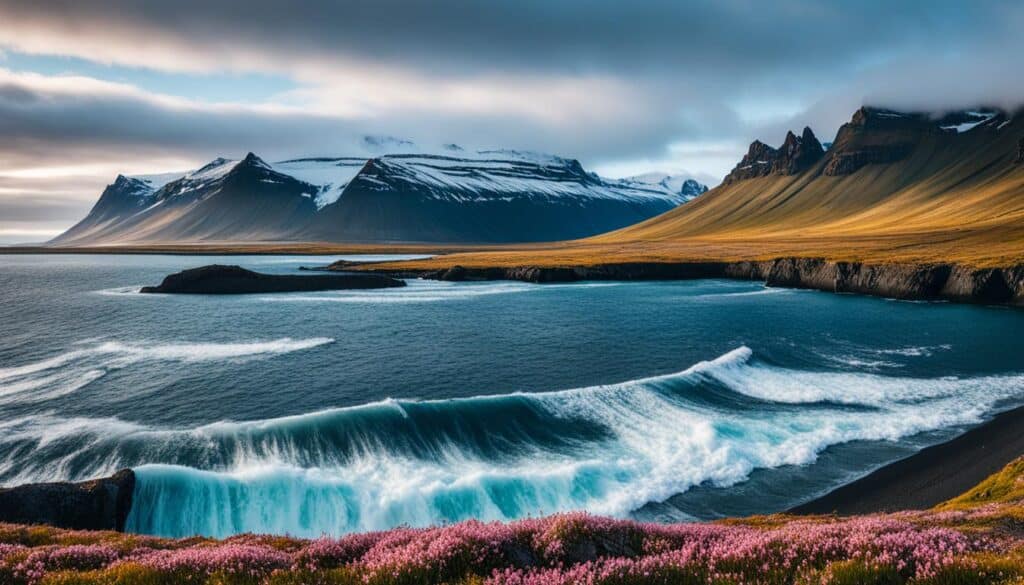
x=978, y=538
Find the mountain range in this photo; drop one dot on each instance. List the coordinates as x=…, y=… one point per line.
x=483, y=196
x=911, y=187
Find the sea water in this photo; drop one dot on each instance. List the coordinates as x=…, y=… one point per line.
x=335, y=412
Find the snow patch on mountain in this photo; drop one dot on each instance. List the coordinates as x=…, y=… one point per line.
x=974, y=120
x=330, y=175
x=515, y=175
x=159, y=180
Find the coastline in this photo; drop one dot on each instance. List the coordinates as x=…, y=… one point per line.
x=942, y=270
x=932, y=475
x=928, y=282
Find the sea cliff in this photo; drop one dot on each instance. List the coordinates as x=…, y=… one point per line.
x=939, y=281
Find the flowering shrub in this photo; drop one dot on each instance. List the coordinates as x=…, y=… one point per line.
x=255, y=563
x=921, y=547
x=77, y=557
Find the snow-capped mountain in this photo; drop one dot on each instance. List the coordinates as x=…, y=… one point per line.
x=461, y=196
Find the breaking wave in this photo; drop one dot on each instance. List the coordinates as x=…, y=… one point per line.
x=607, y=449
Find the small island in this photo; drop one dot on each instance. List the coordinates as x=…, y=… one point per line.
x=218, y=279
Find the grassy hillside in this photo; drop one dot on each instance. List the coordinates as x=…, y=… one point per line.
x=1005, y=486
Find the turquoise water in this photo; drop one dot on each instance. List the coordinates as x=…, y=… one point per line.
x=345, y=411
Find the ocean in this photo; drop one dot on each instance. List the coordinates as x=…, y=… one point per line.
x=336, y=412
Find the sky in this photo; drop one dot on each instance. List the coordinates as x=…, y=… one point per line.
x=93, y=88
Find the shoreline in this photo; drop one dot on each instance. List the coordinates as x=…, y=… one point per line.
x=926, y=282
x=991, y=282
x=931, y=476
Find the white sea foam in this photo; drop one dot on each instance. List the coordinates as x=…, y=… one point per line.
x=915, y=351
x=68, y=372
x=292, y=474
x=421, y=291
x=751, y=293
x=120, y=291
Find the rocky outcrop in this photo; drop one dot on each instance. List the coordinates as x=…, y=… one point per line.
x=899, y=281
x=876, y=136
x=219, y=279
x=100, y=504
x=796, y=155
x=1020, y=151
x=845, y=163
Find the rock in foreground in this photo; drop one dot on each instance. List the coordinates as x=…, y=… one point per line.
x=99, y=504
x=218, y=279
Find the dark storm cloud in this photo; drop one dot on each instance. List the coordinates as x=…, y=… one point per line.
x=605, y=81
x=543, y=35
x=705, y=53
x=41, y=122
x=688, y=59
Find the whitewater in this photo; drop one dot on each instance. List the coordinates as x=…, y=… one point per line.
x=307, y=415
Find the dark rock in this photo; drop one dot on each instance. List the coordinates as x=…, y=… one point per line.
x=898, y=281
x=219, y=279
x=803, y=273
x=986, y=286
x=99, y=504
x=876, y=136
x=796, y=155
x=1020, y=151
x=540, y=275
x=1015, y=280
x=895, y=281
x=846, y=163
x=455, y=273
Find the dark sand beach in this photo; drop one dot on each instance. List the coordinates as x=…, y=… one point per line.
x=931, y=476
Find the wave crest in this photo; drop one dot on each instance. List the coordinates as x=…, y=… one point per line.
x=609, y=449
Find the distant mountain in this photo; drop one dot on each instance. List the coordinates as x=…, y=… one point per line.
x=484, y=196
x=679, y=184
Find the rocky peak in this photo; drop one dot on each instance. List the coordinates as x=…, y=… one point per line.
x=217, y=162
x=692, y=188
x=876, y=136
x=129, y=186
x=797, y=154
x=882, y=118
x=253, y=162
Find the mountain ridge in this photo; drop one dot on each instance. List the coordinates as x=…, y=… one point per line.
x=486, y=196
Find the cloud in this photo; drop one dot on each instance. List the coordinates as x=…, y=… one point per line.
x=655, y=84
